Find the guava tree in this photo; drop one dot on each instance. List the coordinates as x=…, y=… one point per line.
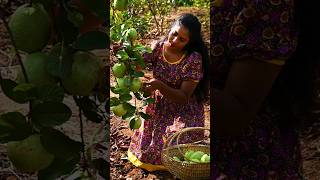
x=57, y=39
x=128, y=67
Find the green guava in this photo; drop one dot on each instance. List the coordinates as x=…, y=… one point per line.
x=135, y=123
x=135, y=85
x=119, y=110
x=29, y=155
x=30, y=27
x=84, y=75
x=119, y=69
x=196, y=155
x=36, y=68
x=205, y=158
x=132, y=34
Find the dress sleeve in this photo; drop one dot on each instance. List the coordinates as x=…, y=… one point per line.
x=192, y=70
x=264, y=29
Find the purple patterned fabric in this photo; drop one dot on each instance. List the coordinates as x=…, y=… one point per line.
x=167, y=116
x=262, y=29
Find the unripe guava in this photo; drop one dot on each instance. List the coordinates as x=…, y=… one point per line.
x=29, y=155
x=30, y=27
x=136, y=123
x=119, y=110
x=36, y=68
x=84, y=74
x=135, y=85
x=197, y=155
x=119, y=69
x=205, y=158
x=132, y=34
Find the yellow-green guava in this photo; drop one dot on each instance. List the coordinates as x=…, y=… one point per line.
x=205, y=158
x=135, y=85
x=29, y=155
x=84, y=75
x=132, y=34
x=36, y=68
x=119, y=69
x=30, y=27
x=119, y=110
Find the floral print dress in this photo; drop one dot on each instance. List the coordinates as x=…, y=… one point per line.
x=263, y=30
x=167, y=117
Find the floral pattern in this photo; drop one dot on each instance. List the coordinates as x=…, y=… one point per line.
x=263, y=29
x=168, y=117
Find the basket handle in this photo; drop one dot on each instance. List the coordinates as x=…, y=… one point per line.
x=178, y=134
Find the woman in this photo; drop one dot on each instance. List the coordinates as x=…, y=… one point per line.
x=253, y=45
x=180, y=87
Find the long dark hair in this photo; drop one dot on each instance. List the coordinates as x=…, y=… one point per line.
x=196, y=44
x=294, y=88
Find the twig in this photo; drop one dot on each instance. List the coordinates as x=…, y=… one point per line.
x=15, y=173
x=82, y=137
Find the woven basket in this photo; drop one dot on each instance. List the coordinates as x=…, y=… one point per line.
x=182, y=170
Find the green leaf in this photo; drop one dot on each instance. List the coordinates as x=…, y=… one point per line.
x=58, y=144
x=102, y=166
x=49, y=114
x=138, y=74
x=98, y=8
x=125, y=97
x=13, y=127
x=114, y=101
x=8, y=86
x=50, y=93
x=141, y=48
x=145, y=116
x=59, y=167
x=131, y=110
x=116, y=90
x=92, y=40
x=149, y=101
x=25, y=91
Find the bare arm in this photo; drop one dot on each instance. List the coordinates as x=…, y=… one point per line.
x=180, y=96
x=247, y=85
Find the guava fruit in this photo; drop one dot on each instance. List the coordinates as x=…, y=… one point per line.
x=205, y=158
x=29, y=155
x=30, y=27
x=132, y=34
x=119, y=110
x=36, y=68
x=176, y=158
x=120, y=5
x=84, y=74
x=135, y=85
x=188, y=153
x=196, y=155
x=119, y=69
x=123, y=82
x=136, y=123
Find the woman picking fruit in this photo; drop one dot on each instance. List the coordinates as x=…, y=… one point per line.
x=263, y=87
x=180, y=87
